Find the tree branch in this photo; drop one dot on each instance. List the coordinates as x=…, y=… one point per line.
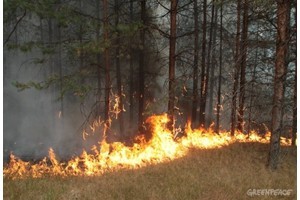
x=15, y=27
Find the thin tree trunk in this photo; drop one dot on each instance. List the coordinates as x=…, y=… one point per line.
x=294, y=126
x=81, y=43
x=204, y=77
x=195, y=67
x=243, y=52
x=43, y=40
x=141, y=67
x=252, y=87
x=98, y=57
x=220, y=70
x=212, y=72
x=51, y=71
x=118, y=72
x=131, y=90
x=106, y=65
x=280, y=76
x=171, y=104
x=209, y=54
x=50, y=40
x=236, y=69
x=60, y=72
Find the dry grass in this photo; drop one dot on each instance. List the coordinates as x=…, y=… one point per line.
x=225, y=173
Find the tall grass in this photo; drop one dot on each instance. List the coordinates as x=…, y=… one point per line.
x=225, y=173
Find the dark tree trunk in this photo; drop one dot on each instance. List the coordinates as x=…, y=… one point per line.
x=209, y=55
x=243, y=53
x=252, y=87
x=212, y=72
x=80, y=37
x=220, y=70
x=280, y=76
x=51, y=72
x=204, y=77
x=106, y=65
x=294, y=126
x=59, y=60
x=171, y=104
x=141, y=67
x=294, y=123
x=236, y=69
x=195, y=67
x=118, y=72
x=98, y=57
x=131, y=90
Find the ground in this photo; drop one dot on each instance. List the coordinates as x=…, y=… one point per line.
x=224, y=173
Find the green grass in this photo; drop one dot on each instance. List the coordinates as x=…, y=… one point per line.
x=225, y=173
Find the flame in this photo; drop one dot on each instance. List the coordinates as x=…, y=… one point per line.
x=116, y=107
x=161, y=147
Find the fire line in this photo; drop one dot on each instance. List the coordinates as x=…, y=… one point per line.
x=160, y=148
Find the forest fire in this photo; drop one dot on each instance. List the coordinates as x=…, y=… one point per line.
x=161, y=147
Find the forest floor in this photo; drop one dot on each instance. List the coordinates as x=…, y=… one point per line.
x=231, y=172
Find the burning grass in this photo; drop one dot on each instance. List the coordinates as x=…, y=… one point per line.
x=198, y=165
x=160, y=148
x=220, y=173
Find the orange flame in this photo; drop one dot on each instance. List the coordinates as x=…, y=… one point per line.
x=161, y=147
x=116, y=107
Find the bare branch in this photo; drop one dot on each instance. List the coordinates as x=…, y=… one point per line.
x=15, y=27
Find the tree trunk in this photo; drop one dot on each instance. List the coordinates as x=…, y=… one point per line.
x=280, y=75
x=80, y=37
x=106, y=64
x=209, y=53
x=252, y=86
x=212, y=72
x=51, y=72
x=59, y=59
x=220, y=70
x=236, y=69
x=204, y=77
x=98, y=57
x=171, y=104
x=118, y=72
x=195, y=67
x=294, y=126
x=243, y=53
x=131, y=90
x=141, y=66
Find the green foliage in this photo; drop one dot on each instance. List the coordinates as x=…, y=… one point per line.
x=128, y=29
x=93, y=47
x=81, y=33
x=30, y=84
x=31, y=45
x=26, y=47
x=37, y=85
x=70, y=84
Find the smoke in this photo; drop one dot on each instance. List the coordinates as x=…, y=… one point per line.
x=31, y=117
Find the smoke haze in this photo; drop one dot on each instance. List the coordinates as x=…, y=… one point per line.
x=31, y=117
